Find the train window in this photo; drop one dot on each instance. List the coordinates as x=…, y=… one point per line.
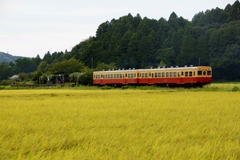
x=128, y=75
x=156, y=75
x=115, y=76
x=159, y=74
x=142, y=75
x=204, y=73
x=209, y=73
x=149, y=74
x=178, y=74
x=171, y=74
x=199, y=73
x=120, y=75
x=163, y=74
x=186, y=74
x=182, y=73
x=167, y=74
x=193, y=73
x=175, y=74
x=190, y=74
x=146, y=75
x=153, y=75
x=111, y=75
x=134, y=74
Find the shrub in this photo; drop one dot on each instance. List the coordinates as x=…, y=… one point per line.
x=235, y=88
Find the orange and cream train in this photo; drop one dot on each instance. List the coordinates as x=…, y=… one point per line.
x=174, y=76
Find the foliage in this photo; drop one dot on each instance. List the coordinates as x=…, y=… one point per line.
x=43, y=79
x=5, y=82
x=36, y=76
x=67, y=67
x=25, y=65
x=235, y=88
x=5, y=71
x=43, y=66
x=103, y=66
x=75, y=77
x=22, y=76
x=5, y=57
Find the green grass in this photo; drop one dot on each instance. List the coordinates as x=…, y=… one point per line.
x=233, y=86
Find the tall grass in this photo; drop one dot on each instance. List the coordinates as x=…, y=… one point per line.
x=119, y=124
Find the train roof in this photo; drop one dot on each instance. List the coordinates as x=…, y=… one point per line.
x=153, y=69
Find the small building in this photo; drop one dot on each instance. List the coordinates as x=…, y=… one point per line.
x=14, y=77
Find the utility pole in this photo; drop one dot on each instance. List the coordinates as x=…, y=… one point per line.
x=92, y=62
x=239, y=13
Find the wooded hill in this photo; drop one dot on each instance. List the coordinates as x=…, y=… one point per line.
x=211, y=38
x=5, y=57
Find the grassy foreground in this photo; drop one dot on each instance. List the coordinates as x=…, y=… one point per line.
x=119, y=124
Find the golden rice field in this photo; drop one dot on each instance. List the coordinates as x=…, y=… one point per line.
x=119, y=124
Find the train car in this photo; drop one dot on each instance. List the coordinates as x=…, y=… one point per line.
x=174, y=76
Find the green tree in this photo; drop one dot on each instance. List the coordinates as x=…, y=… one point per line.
x=166, y=57
x=202, y=51
x=37, y=60
x=22, y=76
x=5, y=71
x=188, y=52
x=25, y=65
x=75, y=77
x=36, y=76
x=43, y=66
x=67, y=67
x=103, y=66
x=48, y=58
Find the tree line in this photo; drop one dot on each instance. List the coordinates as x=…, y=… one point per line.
x=210, y=38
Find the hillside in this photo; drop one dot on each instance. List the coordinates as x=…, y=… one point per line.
x=211, y=38
x=5, y=57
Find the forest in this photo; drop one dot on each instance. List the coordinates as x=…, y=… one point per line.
x=210, y=38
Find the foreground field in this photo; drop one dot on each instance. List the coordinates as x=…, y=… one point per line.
x=119, y=124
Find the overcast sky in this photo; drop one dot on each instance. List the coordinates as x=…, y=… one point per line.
x=31, y=27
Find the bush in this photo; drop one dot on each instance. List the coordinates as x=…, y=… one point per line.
x=235, y=88
x=5, y=82
x=106, y=87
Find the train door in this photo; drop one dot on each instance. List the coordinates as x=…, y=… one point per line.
x=204, y=74
x=126, y=78
x=181, y=77
x=137, y=78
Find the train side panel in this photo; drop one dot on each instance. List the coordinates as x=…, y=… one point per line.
x=200, y=75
